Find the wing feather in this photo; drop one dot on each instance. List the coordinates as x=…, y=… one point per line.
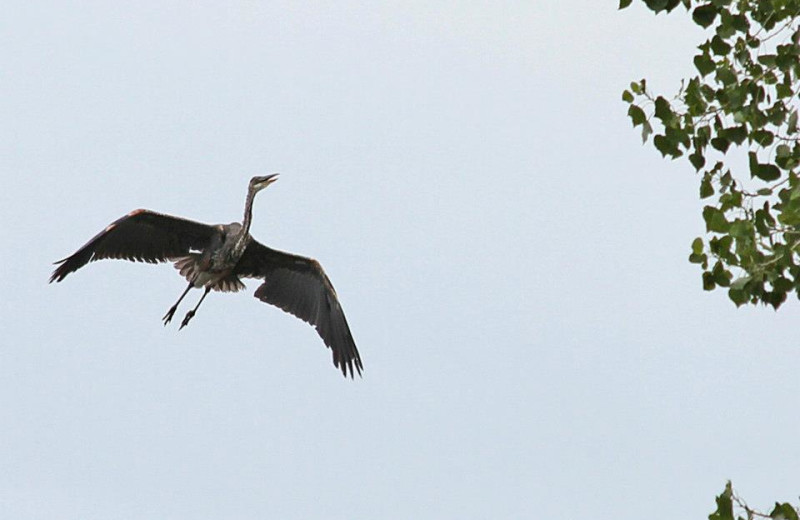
x=139, y=236
x=299, y=286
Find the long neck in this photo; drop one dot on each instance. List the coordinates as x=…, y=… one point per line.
x=248, y=211
x=242, y=237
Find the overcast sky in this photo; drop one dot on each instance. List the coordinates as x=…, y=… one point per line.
x=512, y=262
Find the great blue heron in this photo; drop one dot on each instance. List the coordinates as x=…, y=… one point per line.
x=215, y=257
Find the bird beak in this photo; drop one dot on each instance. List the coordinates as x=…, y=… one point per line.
x=267, y=180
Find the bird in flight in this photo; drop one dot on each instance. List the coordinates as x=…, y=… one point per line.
x=217, y=257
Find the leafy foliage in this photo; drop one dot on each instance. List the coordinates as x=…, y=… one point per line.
x=728, y=505
x=743, y=97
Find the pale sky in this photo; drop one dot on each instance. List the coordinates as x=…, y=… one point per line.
x=512, y=262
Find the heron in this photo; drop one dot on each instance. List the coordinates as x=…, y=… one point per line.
x=216, y=257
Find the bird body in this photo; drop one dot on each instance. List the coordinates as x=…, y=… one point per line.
x=212, y=267
x=216, y=257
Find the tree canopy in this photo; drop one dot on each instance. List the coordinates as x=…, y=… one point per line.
x=736, y=121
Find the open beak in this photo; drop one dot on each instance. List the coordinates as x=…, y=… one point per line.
x=267, y=180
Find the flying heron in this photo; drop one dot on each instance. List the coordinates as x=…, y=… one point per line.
x=216, y=257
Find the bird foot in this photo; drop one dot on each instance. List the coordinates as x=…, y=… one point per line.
x=185, y=322
x=168, y=316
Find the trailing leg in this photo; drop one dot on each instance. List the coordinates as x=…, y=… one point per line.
x=171, y=312
x=191, y=313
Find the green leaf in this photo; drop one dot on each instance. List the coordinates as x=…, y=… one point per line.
x=663, y=111
x=741, y=228
x=706, y=188
x=738, y=297
x=708, y=285
x=721, y=144
x=697, y=246
x=624, y=3
x=730, y=200
x=783, y=91
x=704, y=15
x=785, y=511
x=627, y=96
x=721, y=276
x=724, y=500
x=647, y=130
x=737, y=94
x=657, y=5
x=720, y=46
x=701, y=259
x=704, y=64
x=740, y=23
x=721, y=246
x=703, y=135
x=786, y=58
x=725, y=29
x=725, y=75
x=766, y=172
x=767, y=60
x=715, y=220
x=637, y=115
x=662, y=145
x=697, y=160
x=737, y=134
x=782, y=285
x=667, y=146
x=762, y=137
x=764, y=222
x=774, y=298
x=791, y=125
x=752, y=159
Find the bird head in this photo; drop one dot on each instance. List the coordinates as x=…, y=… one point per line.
x=259, y=183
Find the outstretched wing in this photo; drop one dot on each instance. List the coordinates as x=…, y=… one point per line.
x=299, y=286
x=139, y=236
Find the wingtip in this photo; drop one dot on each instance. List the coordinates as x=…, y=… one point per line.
x=350, y=367
x=57, y=276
